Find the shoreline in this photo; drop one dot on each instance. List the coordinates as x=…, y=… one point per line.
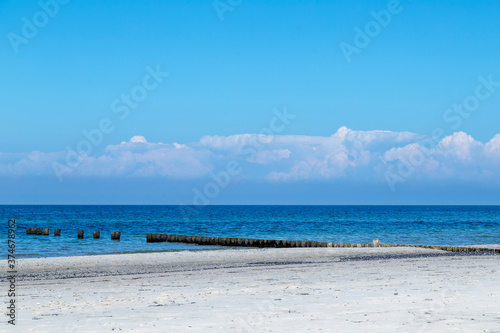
x=262, y=290
x=485, y=247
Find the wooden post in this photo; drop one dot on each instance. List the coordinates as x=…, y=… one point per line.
x=80, y=233
x=39, y=231
x=45, y=231
x=97, y=234
x=115, y=235
x=57, y=232
x=376, y=242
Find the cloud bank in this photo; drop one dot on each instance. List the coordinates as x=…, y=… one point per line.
x=362, y=156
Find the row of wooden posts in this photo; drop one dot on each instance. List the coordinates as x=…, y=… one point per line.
x=115, y=235
x=42, y=231
x=251, y=242
x=247, y=242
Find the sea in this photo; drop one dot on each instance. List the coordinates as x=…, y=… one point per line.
x=423, y=225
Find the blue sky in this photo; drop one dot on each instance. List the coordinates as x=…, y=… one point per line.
x=232, y=67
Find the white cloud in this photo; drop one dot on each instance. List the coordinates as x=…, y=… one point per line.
x=347, y=155
x=138, y=139
x=460, y=145
x=269, y=156
x=493, y=146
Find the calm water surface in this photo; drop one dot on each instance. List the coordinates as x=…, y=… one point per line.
x=439, y=225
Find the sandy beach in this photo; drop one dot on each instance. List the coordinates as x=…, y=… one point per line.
x=261, y=290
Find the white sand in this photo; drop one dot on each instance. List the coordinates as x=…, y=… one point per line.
x=261, y=290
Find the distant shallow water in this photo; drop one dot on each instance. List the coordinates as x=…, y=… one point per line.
x=426, y=225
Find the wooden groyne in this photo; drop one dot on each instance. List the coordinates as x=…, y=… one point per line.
x=115, y=235
x=261, y=243
x=446, y=248
x=244, y=242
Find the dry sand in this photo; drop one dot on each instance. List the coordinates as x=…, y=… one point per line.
x=261, y=290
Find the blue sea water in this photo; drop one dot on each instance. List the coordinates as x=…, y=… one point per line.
x=431, y=225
